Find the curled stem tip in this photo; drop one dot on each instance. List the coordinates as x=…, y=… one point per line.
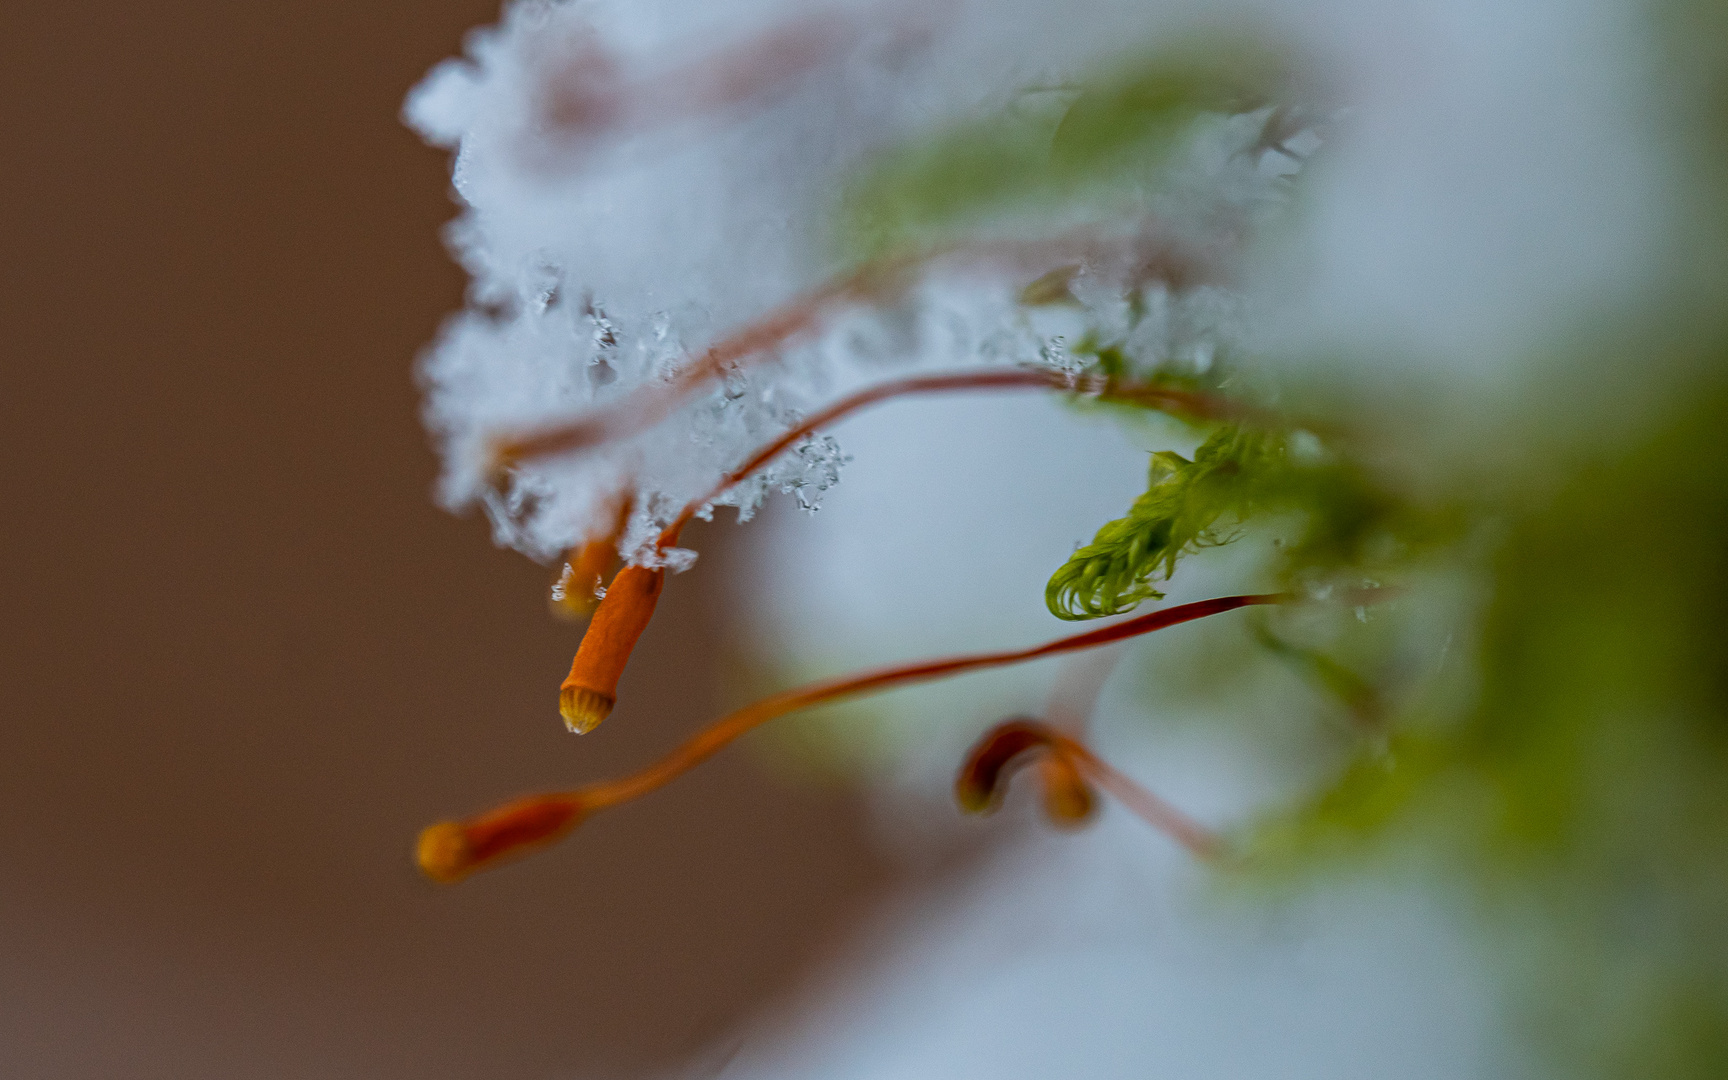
x=591, y=689
x=982, y=783
x=1067, y=770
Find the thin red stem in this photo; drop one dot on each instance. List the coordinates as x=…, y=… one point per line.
x=652, y=404
x=444, y=850
x=706, y=743
x=1185, y=402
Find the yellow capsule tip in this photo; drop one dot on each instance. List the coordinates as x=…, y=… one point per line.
x=443, y=852
x=582, y=708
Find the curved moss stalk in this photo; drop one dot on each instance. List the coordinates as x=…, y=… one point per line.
x=1065, y=764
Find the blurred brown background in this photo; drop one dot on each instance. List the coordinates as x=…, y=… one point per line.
x=246, y=658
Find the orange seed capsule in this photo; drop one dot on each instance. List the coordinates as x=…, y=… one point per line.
x=591, y=688
x=451, y=850
x=1068, y=798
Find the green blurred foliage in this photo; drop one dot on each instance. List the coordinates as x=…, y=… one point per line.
x=1055, y=144
x=1583, y=786
x=1178, y=514
x=1543, y=710
x=1350, y=527
x=1587, y=778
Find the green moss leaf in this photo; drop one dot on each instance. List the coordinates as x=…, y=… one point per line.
x=1184, y=503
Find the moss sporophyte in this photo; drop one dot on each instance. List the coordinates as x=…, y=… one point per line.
x=1242, y=465
x=1067, y=770
x=1150, y=280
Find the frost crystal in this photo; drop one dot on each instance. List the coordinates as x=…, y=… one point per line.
x=632, y=197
